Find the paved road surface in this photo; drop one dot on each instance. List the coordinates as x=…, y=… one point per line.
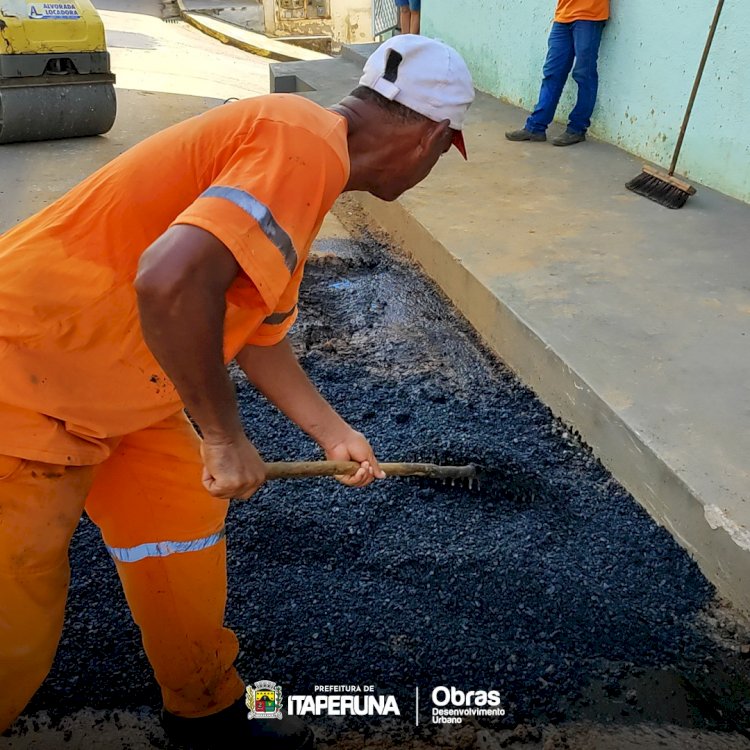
x=151, y=55
x=166, y=72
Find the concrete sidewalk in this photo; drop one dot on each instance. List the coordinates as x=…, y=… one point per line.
x=631, y=321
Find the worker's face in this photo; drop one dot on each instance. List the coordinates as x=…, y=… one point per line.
x=423, y=144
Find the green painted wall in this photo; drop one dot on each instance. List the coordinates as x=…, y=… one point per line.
x=648, y=59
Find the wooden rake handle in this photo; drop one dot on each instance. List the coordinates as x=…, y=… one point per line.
x=301, y=469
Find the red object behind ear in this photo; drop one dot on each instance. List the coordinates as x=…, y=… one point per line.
x=458, y=142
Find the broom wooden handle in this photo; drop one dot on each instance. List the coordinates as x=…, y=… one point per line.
x=301, y=469
x=696, y=84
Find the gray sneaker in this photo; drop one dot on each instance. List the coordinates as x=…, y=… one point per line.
x=525, y=135
x=568, y=138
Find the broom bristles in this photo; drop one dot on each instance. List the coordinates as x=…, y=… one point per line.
x=659, y=189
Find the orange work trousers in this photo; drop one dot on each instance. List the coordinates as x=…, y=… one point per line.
x=166, y=535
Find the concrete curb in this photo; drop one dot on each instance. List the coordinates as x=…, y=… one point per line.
x=191, y=18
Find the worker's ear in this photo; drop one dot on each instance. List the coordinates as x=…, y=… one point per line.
x=437, y=137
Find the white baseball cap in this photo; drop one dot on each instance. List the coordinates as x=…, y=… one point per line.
x=431, y=78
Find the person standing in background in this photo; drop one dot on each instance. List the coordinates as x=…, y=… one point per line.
x=573, y=43
x=408, y=16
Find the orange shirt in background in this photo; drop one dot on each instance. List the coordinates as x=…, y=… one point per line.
x=259, y=174
x=581, y=10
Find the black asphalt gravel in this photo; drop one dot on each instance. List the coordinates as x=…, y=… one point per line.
x=547, y=580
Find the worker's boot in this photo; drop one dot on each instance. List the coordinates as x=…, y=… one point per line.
x=568, y=138
x=230, y=728
x=525, y=135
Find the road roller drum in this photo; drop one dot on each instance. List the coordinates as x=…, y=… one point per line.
x=55, y=75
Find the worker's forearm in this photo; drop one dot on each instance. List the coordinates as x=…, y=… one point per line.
x=276, y=373
x=183, y=327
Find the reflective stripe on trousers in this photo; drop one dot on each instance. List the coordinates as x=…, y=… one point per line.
x=163, y=549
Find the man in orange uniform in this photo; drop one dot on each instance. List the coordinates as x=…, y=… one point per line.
x=575, y=36
x=122, y=302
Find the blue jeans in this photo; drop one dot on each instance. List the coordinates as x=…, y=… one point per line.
x=579, y=41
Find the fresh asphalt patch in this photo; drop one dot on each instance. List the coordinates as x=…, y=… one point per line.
x=549, y=583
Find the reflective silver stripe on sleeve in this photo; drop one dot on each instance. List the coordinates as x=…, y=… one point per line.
x=278, y=317
x=163, y=549
x=263, y=216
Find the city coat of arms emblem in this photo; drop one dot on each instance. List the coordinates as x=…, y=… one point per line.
x=264, y=699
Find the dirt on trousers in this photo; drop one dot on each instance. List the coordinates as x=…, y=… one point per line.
x=551, y=585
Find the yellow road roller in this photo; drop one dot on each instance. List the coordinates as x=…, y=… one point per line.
x=55, y=76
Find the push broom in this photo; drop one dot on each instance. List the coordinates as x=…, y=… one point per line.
x=664, y=187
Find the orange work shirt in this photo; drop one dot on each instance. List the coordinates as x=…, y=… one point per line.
x=75, y=371
x=581, y=10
